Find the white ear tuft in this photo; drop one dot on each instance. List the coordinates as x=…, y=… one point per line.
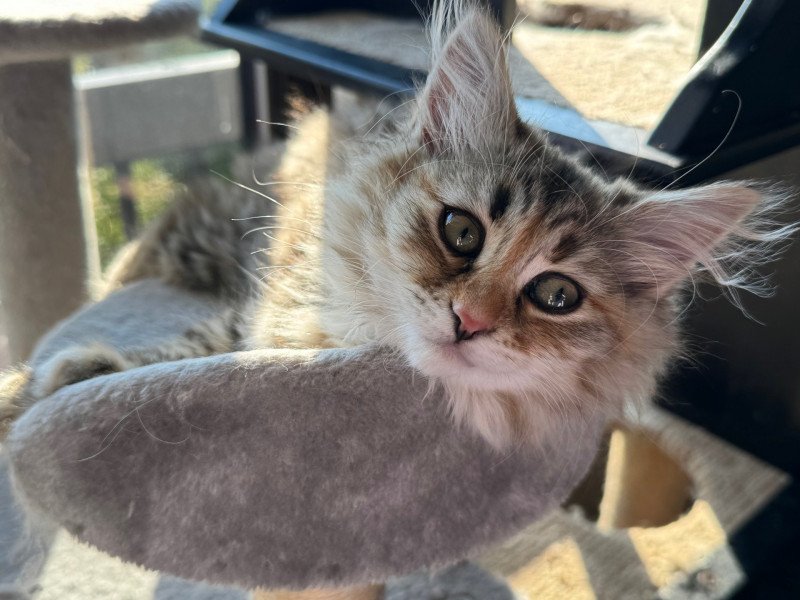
x=467, y=100
x=725, y=228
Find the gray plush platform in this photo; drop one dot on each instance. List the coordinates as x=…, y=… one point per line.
x=301, y=476
x=275, y=468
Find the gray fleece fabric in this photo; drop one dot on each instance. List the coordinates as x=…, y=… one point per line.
x=35, y=31
x=277, y=468
x=145, y=314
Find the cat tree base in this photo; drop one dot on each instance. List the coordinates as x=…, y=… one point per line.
x=675, y=495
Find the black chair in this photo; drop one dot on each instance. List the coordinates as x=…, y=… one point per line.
x=305, y=67
x=745, y=90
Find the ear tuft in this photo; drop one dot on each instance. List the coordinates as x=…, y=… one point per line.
x=728, y=229
x=468, y=99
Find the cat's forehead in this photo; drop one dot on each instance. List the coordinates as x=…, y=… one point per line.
x=537, y=213
x=523, y=179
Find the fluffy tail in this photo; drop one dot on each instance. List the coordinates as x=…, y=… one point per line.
x=15, y=396
x=200, y=243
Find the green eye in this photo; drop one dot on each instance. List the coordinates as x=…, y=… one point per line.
x=554, y=293
x=461, y=232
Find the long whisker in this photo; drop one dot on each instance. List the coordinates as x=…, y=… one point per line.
x=249, y=189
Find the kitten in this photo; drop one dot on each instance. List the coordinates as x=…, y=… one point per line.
x=522, y=282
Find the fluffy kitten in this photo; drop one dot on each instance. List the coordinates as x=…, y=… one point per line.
x=518, y=279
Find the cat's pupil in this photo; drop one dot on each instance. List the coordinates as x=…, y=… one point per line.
x=466, y=238
x=558, y=299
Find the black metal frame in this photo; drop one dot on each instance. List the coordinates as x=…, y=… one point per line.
x=752, y=58
x=744, y=90
x=310, y=68
x=295, y=63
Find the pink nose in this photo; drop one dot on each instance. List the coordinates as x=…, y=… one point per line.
x=467, y=325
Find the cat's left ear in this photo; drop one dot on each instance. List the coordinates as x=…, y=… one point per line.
x=668, y=233
x=468, y=99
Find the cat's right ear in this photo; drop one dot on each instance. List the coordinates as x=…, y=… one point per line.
x=467, y=100
x=725, y=227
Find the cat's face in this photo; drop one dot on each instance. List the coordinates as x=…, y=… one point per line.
x=506, y=275
x=511, y=284
x=524, y=283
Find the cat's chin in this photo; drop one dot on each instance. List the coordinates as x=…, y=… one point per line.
x=447, y=361
x=450, y=358
x=498, y=402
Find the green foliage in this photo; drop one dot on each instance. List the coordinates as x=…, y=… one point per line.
x=105, y=196
x=153, y=182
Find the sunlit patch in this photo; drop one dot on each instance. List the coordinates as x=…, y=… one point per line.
x=679, y=547
x=558, y=572
x=101, y=575
x=644, y=486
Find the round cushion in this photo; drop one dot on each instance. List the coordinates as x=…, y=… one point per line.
x=275, y=468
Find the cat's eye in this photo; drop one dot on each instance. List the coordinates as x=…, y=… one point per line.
x=554, y=293
x=462, y=232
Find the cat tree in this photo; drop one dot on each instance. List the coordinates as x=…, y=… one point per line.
x=41, y=215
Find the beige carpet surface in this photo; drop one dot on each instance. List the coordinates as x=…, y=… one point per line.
x=400, y=42
x=625, y=77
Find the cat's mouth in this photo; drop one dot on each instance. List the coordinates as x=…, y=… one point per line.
x=468, y=364
x=453, y=353
x=443, y=358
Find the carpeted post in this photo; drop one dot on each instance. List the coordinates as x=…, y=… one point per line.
x=43, y=253
x=371, y=592
x=47, y=246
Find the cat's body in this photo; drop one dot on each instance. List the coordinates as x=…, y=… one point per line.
x=520, y=280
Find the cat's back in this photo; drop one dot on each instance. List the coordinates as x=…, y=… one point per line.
x=320, y=150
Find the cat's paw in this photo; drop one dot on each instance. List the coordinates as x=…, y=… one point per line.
x=14, y=396
x=75, y=364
